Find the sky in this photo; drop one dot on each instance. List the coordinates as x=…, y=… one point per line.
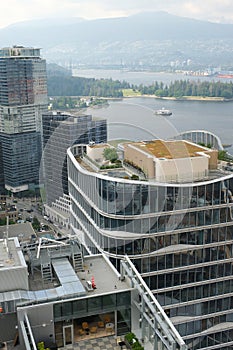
x=12, y=11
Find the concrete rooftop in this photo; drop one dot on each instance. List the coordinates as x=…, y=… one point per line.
x=105, y=276
x=22, y=231
x=10, y=254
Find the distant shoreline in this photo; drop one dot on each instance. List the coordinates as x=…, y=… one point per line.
x=196, y=98
x=184, y=98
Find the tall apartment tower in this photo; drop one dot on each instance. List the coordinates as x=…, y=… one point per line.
x=23, y=99
x=60, y=131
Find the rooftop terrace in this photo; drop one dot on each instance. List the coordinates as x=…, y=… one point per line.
x=162, y=151
x=107, y=279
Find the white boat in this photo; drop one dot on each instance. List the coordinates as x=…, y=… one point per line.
x=163, y=111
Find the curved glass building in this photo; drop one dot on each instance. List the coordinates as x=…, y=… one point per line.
x=168, y=207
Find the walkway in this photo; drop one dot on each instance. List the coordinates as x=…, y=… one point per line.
x=106, y=343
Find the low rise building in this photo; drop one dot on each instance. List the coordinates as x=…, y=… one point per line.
x=52, y=294
x=59, y=211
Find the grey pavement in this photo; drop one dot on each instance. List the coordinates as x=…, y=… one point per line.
x=106, y=343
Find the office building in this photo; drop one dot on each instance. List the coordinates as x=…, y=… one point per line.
x=54, y=295
x=23, y=99
x=59, y=211
x=169, y=208
x=60, y=131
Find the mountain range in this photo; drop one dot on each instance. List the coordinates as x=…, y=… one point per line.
x=142, y=39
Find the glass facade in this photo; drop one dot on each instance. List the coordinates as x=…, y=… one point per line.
x=75, y=311
x=91, y=306
x=178, y=236
x=23, y=99
x=21, y=155
x=61, y=131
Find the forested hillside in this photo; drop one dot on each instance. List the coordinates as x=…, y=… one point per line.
x=150, y=39
x=76, y=86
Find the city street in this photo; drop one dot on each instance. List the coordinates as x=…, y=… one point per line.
x=28, y=208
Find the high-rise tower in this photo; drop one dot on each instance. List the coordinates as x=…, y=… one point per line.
x=23, y=99
x=60, y=131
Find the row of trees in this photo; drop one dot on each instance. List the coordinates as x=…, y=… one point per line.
x=181, y=88
x=76, y=86
x=68, y=102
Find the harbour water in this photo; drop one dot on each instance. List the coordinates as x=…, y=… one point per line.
x=134, y=118
x=142, y=77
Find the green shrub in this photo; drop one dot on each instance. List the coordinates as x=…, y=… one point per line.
x=133, y=341
x=40, y=345
x=137, y=346
x=112, y=166
x=129, y=337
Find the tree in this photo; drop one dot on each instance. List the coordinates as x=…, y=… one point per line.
x=110, y=154
x=2, y=221
x=35, y=223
